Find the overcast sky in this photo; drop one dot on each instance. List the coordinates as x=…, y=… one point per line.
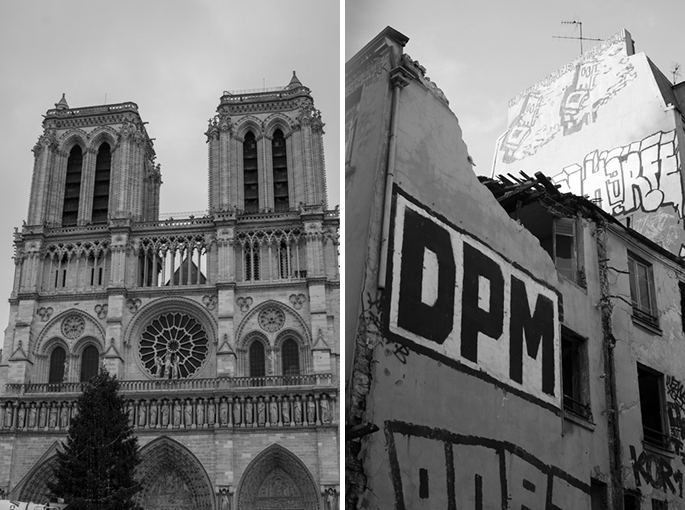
x=482, y=53
x=173, y=59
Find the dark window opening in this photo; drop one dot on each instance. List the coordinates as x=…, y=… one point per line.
x=631, y=500
x=599, y=496
x=290, y=357
x=72, y=187
x=280, y=169
x=257, y=366
x=658, y=504
x=252, y=263
x=89, y=363
x=250, y=174
x=651, y=387
x=103, y=165
x=56, y=375
x=574, y=371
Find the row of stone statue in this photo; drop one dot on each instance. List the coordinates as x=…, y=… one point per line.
x=195, y=412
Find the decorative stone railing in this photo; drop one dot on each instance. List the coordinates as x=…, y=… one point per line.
x=153, y=385
x=216, y=411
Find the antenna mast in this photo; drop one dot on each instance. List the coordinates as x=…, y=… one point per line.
x=676, y=72
x=581, y=38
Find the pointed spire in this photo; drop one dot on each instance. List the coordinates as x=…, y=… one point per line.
x=294, y=82
x=62, y=105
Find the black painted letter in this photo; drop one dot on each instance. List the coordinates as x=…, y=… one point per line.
x=473, y=318
x=432, y=322
x=535, y=328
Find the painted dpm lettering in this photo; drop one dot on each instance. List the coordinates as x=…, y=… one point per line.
x=455, y=299
x=435, y=468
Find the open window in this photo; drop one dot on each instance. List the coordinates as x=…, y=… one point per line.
x=574, y=371
x=652, y=399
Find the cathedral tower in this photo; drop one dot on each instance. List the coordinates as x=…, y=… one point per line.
x=223, y=330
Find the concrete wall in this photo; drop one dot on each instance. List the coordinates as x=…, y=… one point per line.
x=463, y=420
x=604, y=126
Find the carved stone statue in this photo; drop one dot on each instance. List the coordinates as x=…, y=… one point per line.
x=200, y=413
x=211, y=413
x=21, y=416
x=177, y=413
x=64, y=417
x=189, y=413
x=248, y=413
x=153, y=414
x=175, y=373
x=32, y=415
x=165, y=414
x=159, y=367
x=331, y=499
x=311, y=411
x=223, y=413
x=65, y=377
x=261, y=412
x=273, y=411
x=325, y=411
x=297, y=410
x=142, y=414
x=236, y=412
x=53, y=417
x=225, y=500
x=286, y=412
x=167, y=366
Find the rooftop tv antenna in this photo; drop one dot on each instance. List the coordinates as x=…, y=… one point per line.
x=581, y=38
x=675, y=71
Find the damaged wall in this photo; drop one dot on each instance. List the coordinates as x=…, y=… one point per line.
x=465, y=390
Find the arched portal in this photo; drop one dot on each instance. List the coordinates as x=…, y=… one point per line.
x=276, y=478
x=172, y=478
x=35, y=487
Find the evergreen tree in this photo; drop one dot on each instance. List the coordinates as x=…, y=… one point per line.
x=96, y=469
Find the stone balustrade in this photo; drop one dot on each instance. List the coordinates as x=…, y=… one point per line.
x=247, y=410
x=152, y=385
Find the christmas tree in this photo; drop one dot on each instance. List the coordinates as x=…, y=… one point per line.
x=95, y=470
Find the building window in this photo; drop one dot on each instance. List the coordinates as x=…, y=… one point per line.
x=566, y=249
x=103, y=165
x=280, y=168
x=290, y=357
x=658, y=504
x=631, y=500
x=283, y=260
x=250, y=174
x=89, y=363
x=652, y=398
x=574, y=371
x=57, y=359
x=257, y=366
x=72, y=187
x=598, y=495
x=642, y=289
x=252, y=262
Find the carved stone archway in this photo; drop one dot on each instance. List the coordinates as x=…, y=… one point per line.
x=172, y=478
x=277, y=478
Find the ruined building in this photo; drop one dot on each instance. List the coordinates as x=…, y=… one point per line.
x=511, y=344
x=223, y=329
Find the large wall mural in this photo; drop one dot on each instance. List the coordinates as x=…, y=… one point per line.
x=455, y=299
x=567, y=100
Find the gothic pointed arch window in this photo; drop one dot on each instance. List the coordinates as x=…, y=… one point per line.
x=103, y=166
x=250, y=174
x=290, y=358
x=257, y=359
x=57, y=358
x=72, y=187
x=252, y=264
x=280, y=169
x=89, y=363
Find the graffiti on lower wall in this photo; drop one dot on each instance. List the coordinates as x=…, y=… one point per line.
x=656, y=471
x=436, y=468
x=455, y=299
x=564, y=102
x=675, y=402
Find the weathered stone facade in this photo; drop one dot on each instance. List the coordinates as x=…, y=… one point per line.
x=222, y=329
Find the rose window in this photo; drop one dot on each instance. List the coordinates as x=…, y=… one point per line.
x=73, y=326
x=173, y=346
x=271, y=319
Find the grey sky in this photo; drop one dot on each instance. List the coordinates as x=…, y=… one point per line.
x=481, y=54
x=174, y=59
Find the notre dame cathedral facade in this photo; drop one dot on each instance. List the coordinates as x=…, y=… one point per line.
x=222, y=329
